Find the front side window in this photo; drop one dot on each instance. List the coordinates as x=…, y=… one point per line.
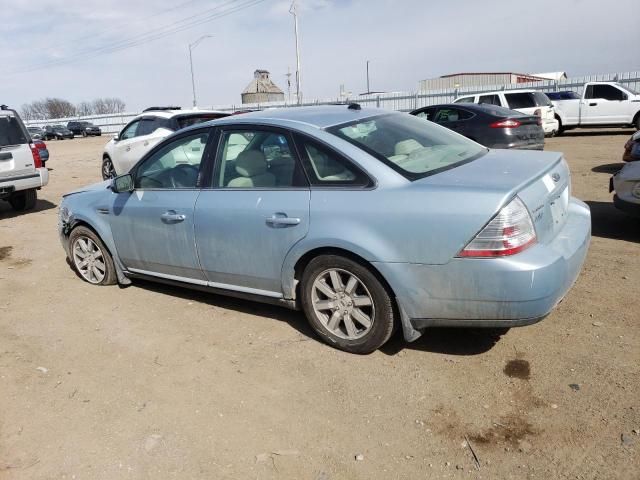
x=257, y=159
x=174, y=166
x=427, y=113
x=606, y=92
x=452, y=115
x=520, y=100
x=490, y=99
x=130, y=131
x=409, y=145
x=147, y=126
x=464, y=100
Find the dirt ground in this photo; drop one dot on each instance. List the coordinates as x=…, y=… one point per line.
x=157, y=382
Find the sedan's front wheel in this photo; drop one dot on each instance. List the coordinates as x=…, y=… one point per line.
x=91, y=258
x=346, y=304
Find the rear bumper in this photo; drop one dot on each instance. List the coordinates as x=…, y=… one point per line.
x=550, y=126
x=27, y=182
x=629, y=208
x=490, y=292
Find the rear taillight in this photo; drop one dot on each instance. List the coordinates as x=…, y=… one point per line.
x=506, y=124
x=37, y=161
x=511, y=231
x=539, y=121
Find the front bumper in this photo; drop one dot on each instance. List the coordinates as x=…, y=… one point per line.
x=492, y=292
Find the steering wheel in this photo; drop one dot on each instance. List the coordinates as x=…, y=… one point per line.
x=182, y=175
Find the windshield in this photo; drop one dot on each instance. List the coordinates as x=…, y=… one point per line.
x=59, y=127
x=628, y=89
x=410, y=145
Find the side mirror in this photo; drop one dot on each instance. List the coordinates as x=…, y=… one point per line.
x=122, y=183
x=116, y=137
x=624, y=97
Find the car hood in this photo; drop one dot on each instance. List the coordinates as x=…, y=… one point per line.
x=90, y=188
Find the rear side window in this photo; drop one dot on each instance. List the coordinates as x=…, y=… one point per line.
x=490, y=99
x=464, y=100
x=520, y=100
x=327, y=168
x=541, y=99
x=11, y=131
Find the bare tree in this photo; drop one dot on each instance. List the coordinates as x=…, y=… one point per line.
x=59, y=108
x=84, y=109
x=114, y=105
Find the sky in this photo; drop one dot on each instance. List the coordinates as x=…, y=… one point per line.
x=74, y=49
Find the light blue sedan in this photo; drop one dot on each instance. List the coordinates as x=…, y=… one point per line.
x=366, y=219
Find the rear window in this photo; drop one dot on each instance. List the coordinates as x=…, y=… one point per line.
x=11, y=131
x=541, y=99
x=520, y=100
x=413, y=147
x=188, y=120
x=500, y=111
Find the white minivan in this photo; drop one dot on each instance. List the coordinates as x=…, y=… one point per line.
x=529, y=102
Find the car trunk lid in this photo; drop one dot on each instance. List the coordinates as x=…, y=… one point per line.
x=541, y=180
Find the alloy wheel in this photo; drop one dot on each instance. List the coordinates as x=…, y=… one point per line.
x=89, y=260
x=107, y=169
x=343, y=304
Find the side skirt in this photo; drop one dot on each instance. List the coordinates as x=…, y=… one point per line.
x=291, y=304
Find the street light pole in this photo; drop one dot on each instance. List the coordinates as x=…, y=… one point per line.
x=193, y=81
x=294, y=11
x=368, y=89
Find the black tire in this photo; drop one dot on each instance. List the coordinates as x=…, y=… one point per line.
x=382, y=313
x=81, y=232
x=636, y=122
x=560, y=128
x=107, y=166
x=84, y=134
x=23, y=200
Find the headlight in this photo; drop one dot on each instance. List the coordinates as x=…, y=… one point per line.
x=64, y=214
x=635, y=191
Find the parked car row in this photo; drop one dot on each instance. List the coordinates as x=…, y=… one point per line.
x=61, y=132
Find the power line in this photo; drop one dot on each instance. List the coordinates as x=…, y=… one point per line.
x=151, y=35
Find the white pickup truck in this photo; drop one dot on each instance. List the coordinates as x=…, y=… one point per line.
x=603, y=104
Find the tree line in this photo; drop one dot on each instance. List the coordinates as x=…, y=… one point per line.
x=49, y=108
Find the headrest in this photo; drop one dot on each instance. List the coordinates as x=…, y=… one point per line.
x=251, y=163
x=405, y=147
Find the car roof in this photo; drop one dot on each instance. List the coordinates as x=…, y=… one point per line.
x=318, y=116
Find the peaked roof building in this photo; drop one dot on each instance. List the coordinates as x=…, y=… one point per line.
x=262, y=89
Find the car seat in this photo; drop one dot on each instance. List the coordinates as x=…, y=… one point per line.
x=251, y=165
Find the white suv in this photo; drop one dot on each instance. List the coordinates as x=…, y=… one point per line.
x=144, y=132
x=21, y=169
x=529, y=102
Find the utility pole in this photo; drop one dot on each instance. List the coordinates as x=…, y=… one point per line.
x=294, y=11
x=288, y=75
x=368, y=89
x=193, y=81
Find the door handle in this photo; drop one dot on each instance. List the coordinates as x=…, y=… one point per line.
x=146, y=144
x=172, y=217
x=593, y=104
x=128, y=148
x=280, y=220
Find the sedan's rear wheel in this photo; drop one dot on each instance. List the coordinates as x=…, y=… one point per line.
x=346, y=304
x=90, y=257
x=108, y=170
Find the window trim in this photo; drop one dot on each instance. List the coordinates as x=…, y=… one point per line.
x=300, y=138
x=202, y=171
x=217, y=159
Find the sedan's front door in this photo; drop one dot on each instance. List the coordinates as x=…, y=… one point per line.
x=153, y=226
x=256, y=211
